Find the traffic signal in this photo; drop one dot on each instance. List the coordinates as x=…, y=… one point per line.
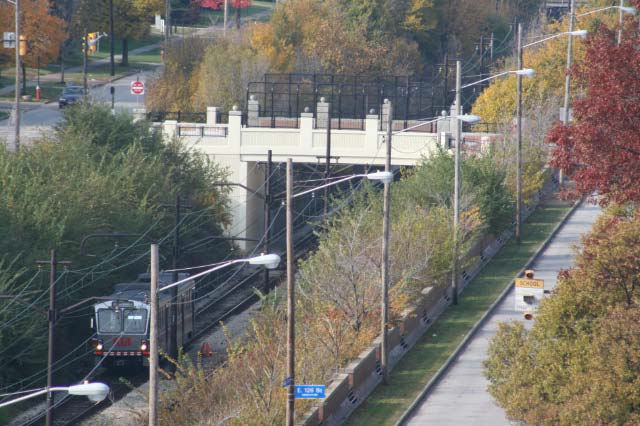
x=93, y=42
x=23, y=45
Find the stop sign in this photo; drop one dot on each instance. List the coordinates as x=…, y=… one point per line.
x=137, y=88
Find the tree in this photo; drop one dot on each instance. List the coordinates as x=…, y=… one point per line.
x=601, y=147
x=130, y=20
x=235, y=65
x=44, y=32
x=579, y=362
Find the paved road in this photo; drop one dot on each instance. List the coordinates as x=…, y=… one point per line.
x=39, y=118
x=461, y=397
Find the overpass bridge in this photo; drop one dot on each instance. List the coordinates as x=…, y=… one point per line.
x=241, y=143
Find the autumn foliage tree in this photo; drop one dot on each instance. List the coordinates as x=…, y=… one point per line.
x=601, y=147
x=44, y=33
x=579, y=362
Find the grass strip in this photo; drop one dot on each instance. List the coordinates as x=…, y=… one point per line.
x=387, y=403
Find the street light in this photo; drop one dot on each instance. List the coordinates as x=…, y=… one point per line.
x=385, y=177
x=96, y=392
x=270, y=261
x=570, y=33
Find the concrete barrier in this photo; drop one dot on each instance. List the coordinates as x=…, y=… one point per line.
x=410, y=320
x=362, y=367
x=336, y=393
x=310, y=418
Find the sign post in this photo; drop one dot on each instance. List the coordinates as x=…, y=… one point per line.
x=137, y=88
x=9, y=40
x=529, y=293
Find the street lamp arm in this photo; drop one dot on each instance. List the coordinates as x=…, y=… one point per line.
x=629, y=10
x=581, y=33
x=94, y=391
x=326, y=185
x=487, y=79
x=201, y=274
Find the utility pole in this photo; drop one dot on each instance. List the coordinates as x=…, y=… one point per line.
x=111, y=40
x=481, y=58
x=491, y=49
x=327, y=165
x=620, y=22
x=226, y=14
x=85, y=50
x=53, y=314
x=519, y=147
x=456, y=184
x=446, y=80
x=567, y=79
x=384, y=313
x=153, y=337
x=167, y=24
x=267, y=214
x=291, y=350
x=16, y=141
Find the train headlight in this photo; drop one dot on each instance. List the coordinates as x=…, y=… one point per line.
x=144, y=346
x=99, y=346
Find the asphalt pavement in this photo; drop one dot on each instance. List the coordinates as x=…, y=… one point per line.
x=461, y=398
x=37, y=119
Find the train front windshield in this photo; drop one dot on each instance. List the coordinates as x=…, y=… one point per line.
x=111, y=321
x=135, y=320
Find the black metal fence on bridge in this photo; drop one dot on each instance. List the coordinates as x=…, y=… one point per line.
x=352, y=98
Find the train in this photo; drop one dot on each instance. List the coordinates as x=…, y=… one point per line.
x=121, y=322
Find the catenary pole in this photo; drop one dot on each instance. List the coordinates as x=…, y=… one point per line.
x=327, y=164
x=519, y=140
x=267, y=214
x=85, y=51
x=567, y=79
x=52, y=318
x=384, y=317
x=111, y=40
x=173, y=338
x=16, y=141
x=226, y=14
x=52, y=323
x=290, y=300
x=456, y=184
x=153, y=337
x=620, y=22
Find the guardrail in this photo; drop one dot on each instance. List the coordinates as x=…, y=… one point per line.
x=202, y=131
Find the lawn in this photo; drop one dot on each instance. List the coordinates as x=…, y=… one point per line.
x=103, y=52
x=48, y=90
x=387, y=403
x=4, y=114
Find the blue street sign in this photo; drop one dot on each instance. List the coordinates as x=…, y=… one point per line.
x=287, y=382
x=310, y=391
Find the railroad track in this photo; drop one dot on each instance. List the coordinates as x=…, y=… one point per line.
x=231, y=300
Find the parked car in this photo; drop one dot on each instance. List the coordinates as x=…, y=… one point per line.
x=70, y=96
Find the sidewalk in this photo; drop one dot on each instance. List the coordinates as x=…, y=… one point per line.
x=461, y=396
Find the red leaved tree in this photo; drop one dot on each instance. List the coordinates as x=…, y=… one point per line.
x=601, y=147
x=219, y=4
